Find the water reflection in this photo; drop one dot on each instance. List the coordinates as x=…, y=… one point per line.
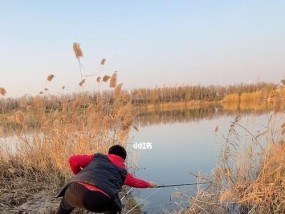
x=182, y=116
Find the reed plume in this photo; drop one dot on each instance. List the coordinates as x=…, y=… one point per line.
x=103, y=61
x=106, y=78
x=50, y=77
x=2, y=91
x=82, y=82
x=78, y=54
x=77, y=51
x=113, y=80
x=98, y=79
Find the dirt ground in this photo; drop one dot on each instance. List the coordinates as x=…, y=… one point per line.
x=42, y=202
x=22, y=196
x=26, y=197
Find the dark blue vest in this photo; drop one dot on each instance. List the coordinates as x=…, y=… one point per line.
x=103, y=174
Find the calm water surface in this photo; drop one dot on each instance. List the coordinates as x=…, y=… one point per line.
x=179, y=149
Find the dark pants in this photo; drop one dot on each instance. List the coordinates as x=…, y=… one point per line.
x=78, y=196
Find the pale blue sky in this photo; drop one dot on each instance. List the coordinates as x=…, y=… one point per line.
x=148, y=42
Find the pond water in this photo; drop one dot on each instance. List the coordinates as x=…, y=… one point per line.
x=178, y=145
x=177, y=148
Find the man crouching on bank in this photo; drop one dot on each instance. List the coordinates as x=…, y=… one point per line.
x=97, y=182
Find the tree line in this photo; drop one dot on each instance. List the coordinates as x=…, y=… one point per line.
x=197, y=93
x=143, y=96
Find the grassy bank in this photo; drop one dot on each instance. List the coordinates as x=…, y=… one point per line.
x=37, y=159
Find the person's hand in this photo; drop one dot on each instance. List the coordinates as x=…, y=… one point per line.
x=153, y=185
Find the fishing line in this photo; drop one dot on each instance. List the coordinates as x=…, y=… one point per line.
x=127, y=193
x=142, y=201
x=158, y=188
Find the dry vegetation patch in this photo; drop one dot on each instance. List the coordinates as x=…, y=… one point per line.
x=250, y=180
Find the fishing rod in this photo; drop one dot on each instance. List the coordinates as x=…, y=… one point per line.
x=177, y=185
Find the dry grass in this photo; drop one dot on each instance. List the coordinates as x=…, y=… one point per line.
x=46, y=131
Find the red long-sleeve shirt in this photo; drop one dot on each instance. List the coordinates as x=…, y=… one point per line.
x=78, y=162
